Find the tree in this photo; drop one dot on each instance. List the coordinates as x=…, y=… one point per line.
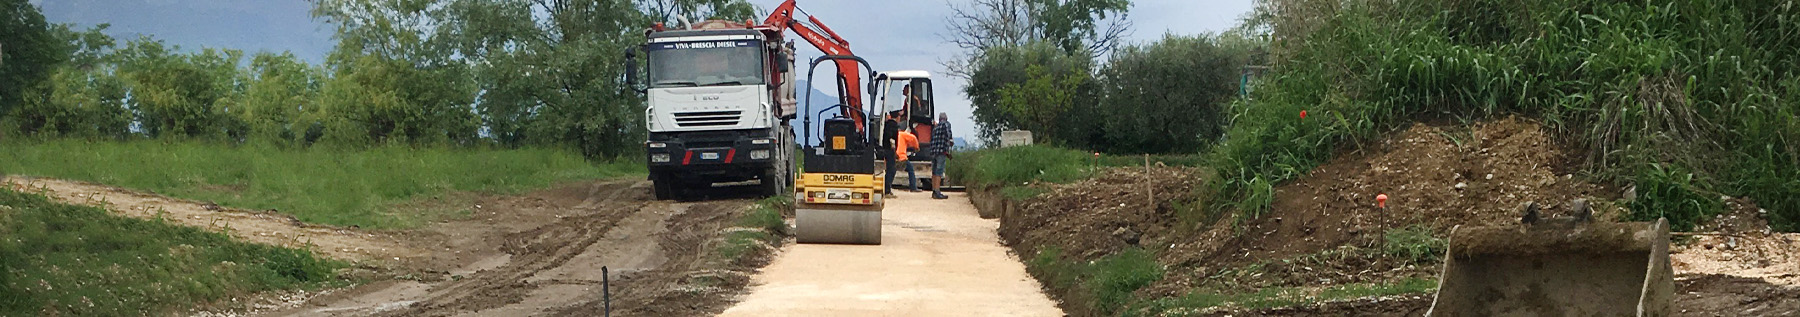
x=1010, y=69
x=281, y=100
x=83, y=97
x=1169, y=96
x=667, y=11
x=176, y=95
x=29, y=53
x=1092, y=27
x=1043, y=99
x=392, y=78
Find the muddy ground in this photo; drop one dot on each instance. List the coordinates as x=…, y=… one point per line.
x=534, y=254
x=1326, y=228
x=541, y=254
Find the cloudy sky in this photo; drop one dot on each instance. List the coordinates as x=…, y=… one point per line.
x=895, y=35
x=891, y=34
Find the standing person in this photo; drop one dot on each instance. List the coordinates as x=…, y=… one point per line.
x=889, y=144
x=908, y=144
x=940, y=152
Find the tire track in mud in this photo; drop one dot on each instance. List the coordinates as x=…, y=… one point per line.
x=519, y=268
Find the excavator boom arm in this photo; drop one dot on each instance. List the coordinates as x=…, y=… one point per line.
x=782, y=19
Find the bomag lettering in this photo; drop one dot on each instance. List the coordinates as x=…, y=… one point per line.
x=839, y=178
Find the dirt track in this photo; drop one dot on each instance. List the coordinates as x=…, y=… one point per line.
x=937, y=258
x=248, y=225
x=534, y=254
x=541, y=254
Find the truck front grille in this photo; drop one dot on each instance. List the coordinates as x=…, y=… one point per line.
x=707, y=118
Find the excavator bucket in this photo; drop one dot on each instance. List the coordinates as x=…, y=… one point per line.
x=1557, y=268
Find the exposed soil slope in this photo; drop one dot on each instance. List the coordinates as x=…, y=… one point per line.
x=1326, y=228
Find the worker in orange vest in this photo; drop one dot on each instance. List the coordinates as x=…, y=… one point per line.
x=907, y=142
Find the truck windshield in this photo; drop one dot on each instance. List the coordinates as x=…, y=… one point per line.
x=708, y=63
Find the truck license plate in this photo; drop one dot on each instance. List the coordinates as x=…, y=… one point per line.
x=709, y=156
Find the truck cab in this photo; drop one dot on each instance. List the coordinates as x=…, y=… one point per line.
x=718, y=96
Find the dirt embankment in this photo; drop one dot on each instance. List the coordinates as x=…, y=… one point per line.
x=1326, y=228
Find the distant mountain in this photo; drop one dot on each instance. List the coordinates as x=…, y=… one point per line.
x=820, y=100
x=963, y=145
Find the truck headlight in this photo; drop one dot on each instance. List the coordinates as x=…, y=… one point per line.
x=760, y=141
x=657, y=145
x=759, y=154
x=659, y=157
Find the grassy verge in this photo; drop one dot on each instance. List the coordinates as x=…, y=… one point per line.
x=1106, y=285
x=58, y=259
x=769, y=227
x=1013, y=169
x=317, y=185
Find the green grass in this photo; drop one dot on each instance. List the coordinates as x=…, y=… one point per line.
x=1017, y=165
x=1415, y=242
x=317, y=185
x=766, y=218
x=58, y=259
x=1690, y=98
x=1109, y=281
x=1116, y=276
x=1013, y=169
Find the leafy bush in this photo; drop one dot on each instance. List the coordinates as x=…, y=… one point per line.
x=1168, y=96
x=76, y=260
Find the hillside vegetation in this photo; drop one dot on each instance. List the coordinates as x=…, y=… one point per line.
x=1682, y=101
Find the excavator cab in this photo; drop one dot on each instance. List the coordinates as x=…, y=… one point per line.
x=838, y=195
x=907, y=95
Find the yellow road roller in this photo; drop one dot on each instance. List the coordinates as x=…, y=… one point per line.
x=837, y=197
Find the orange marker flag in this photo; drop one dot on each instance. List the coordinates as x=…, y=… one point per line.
x=1381, y=201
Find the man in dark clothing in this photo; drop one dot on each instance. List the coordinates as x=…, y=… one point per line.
x=889, y=139
x=940, y=152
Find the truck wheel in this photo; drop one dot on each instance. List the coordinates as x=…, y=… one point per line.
x=663, y=186
x=772, y=182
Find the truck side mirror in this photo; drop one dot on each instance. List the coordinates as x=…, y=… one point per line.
x=631, y=69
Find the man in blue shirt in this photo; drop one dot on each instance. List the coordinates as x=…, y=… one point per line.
x=940, y=152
